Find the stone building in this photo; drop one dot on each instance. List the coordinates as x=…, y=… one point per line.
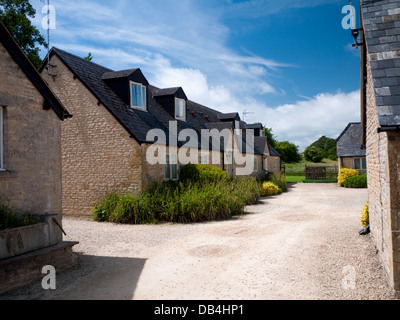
x=380, y=82
x=30, y=168
x=349, y=151
x=120, y=121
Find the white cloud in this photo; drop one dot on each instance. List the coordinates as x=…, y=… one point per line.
x=193, y=53
x=326, y=114
x=305, y=121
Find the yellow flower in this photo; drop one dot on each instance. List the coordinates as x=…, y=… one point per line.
x=365, y=216
x=346, y=173
x=269, y=189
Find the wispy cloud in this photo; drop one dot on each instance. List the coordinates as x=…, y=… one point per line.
x=185, y=43
x=254, y=9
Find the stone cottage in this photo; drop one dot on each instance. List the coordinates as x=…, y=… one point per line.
x=30, y=168
x=380, y=78
x=120, y=124
x=349, y=151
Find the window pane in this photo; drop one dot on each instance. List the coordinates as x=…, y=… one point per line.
x=357, y=164
x=179, y=108
x=143, y=98
x=139, y=97
x=134, y=96
x=174, y=171
x=167, y=169
x=364, y=163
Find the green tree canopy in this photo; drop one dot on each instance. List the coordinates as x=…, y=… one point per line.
x=289, y=152
x=314, y=154
x=327, y=146
x=15, y=15
x=271, y=137
x=89, y=57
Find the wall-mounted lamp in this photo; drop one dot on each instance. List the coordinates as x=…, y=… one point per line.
x=356, y=33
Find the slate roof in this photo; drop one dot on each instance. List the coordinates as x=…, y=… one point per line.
x=136, y=122
x=165, y=92
x=273, y=152
x=50, y=100
x=117, y=74
x=381, y=19
x=349, y=142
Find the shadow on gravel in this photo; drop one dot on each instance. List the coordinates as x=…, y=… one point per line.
x=95, y=278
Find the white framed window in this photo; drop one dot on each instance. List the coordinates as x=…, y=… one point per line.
x=360, y=163
x=277, y=164
x=237, y=125
x=229, y=157
x=180, y=109
x=1, y=140
x=138, y=96
x=204, y=159
x=255, y=167
x=266, y=164
x=171, y=167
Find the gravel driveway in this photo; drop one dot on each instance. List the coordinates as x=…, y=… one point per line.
x=303, y=244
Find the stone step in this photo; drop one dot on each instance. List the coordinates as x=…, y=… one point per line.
x=23, y=270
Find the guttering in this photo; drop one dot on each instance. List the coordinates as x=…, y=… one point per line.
x=389, y=129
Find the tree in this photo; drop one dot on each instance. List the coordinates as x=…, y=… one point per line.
x=328, y=147
x=15, y=15
x=314, y=154
x=271, y=137
x=289, y=152
x=89, y=57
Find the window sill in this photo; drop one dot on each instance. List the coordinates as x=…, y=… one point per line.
x=5, y=174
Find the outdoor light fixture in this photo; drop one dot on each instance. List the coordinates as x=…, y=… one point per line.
x=354, y=32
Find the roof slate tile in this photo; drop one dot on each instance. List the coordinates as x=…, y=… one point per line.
x=384, y=56
x=136, y=122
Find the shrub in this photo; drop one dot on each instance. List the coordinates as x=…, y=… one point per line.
x=182, y=202
x=314, y=154
x=202, y=173
x=345, y=173
x=280, y=181
x=269, y=189
x=356, y=182
x=365, y=216
x=9, y=218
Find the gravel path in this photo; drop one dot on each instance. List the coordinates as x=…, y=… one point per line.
x=300, y=245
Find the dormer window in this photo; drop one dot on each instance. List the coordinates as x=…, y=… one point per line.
x=237, y=125
x=180, y=109
x=138, y=96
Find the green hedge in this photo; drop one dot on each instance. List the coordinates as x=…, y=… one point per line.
x=356, y=182
x=202, y=173
x=180, y=202
x=204, y=193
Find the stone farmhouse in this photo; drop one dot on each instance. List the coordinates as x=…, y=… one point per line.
x=119, y=119
x=349, y=151
x=380, y=111
x=30, y=168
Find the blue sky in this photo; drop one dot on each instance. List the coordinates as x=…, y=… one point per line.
x=288, y=63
